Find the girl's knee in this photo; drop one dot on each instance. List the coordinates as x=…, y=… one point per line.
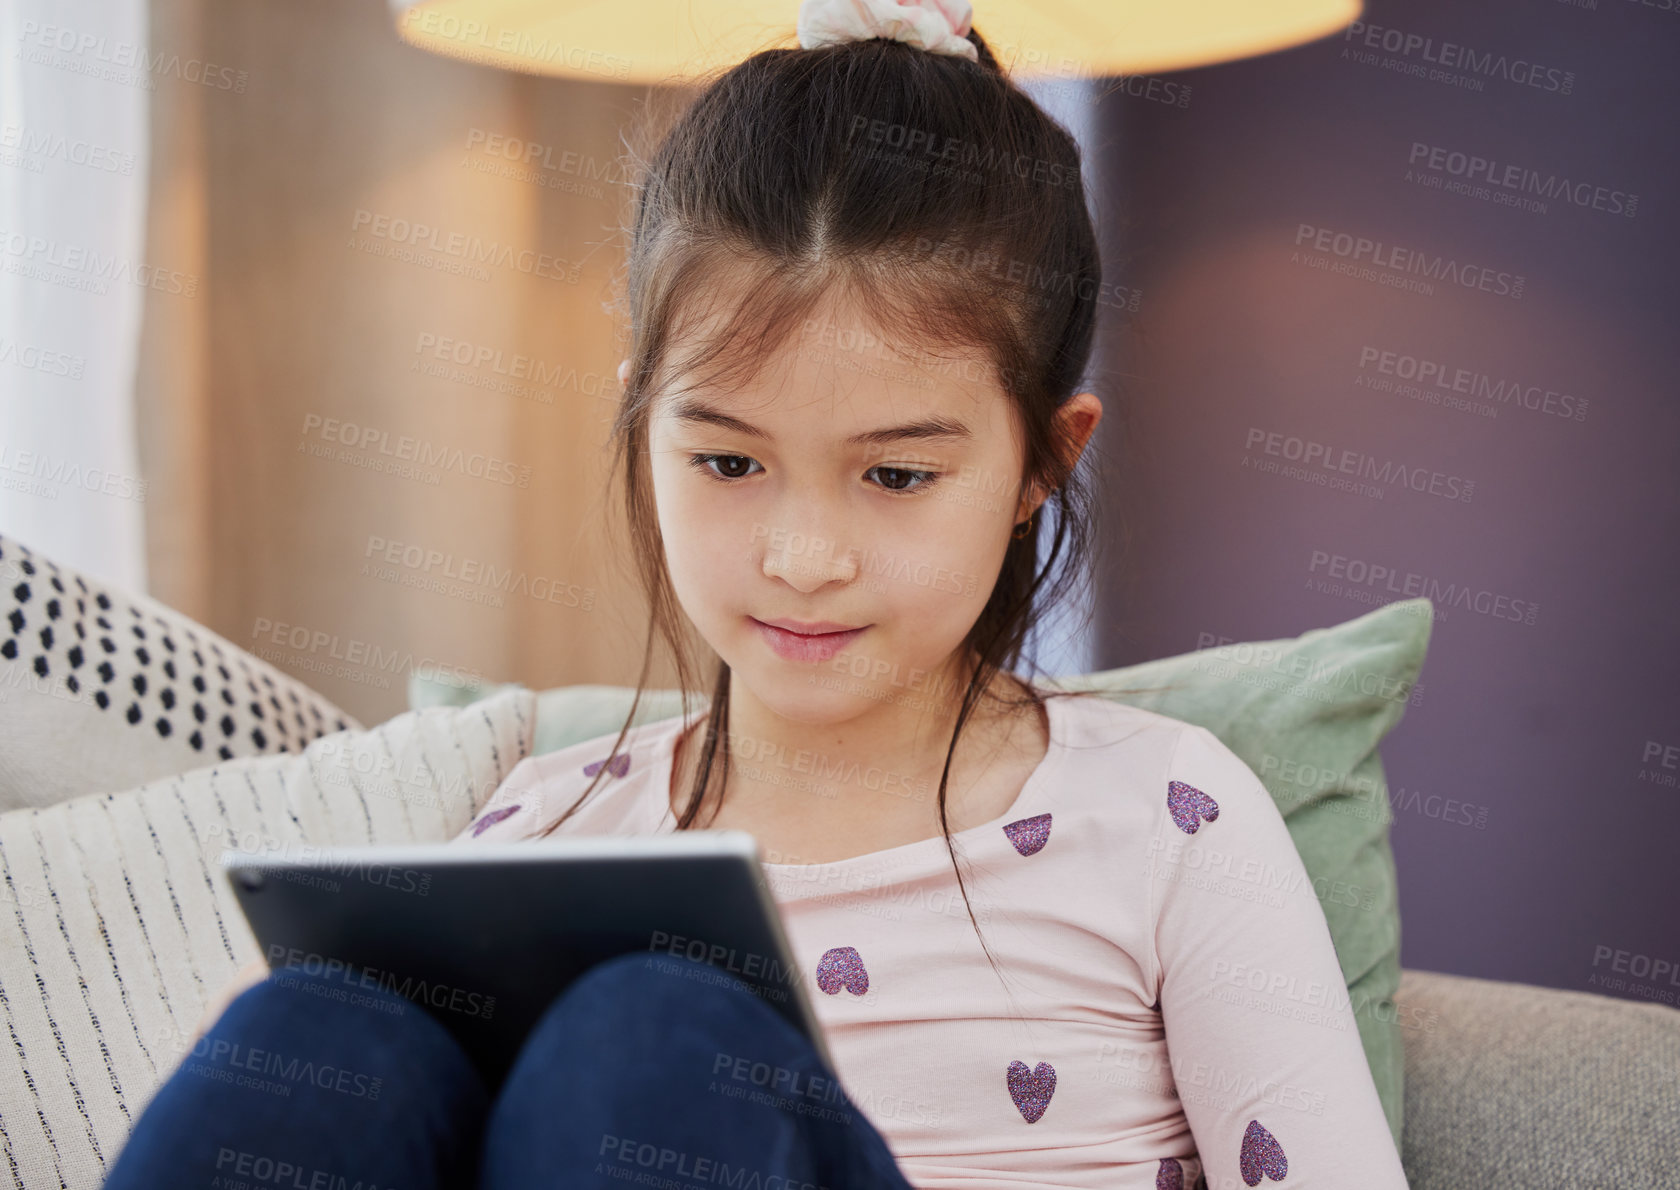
x=330, y=992
x=304, y=1003
x=621, y=995
x=370, y=1038
x=654, y=979
x=659, y=1025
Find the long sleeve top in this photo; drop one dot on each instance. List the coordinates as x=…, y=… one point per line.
x=1171, y=1009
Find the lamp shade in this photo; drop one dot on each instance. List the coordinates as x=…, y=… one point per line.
x=654, y=41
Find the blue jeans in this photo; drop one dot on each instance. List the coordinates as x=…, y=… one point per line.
x=646, y=1064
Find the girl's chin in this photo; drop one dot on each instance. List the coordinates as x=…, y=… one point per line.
x=805, y=692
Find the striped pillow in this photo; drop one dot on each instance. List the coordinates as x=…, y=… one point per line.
x=116, y=927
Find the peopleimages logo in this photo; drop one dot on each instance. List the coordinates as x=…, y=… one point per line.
x=1497, y=393
x=1319, y=459
x=364, y=442
x=470, y=249
x=21, y=469
x=33, y=142
x=1451, y=56
x=442, y=996
x=476, y=37
x=1028, y=275
x=1358, y=250
x=78, y=266
x=267, y=1064
x=1410, y=584
x=427, y=565
x=43, y=360
x=99, y=56
x=1521, y=180
x=508, y=365
x=958, y=153
x=546, y=158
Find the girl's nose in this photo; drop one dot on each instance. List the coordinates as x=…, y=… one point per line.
x=808, y=562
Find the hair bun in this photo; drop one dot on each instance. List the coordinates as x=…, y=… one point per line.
x=938, y=26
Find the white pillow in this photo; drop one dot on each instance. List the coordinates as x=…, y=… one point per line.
x=116, y=927
x=102, y=688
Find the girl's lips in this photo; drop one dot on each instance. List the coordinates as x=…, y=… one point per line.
x=793, y=646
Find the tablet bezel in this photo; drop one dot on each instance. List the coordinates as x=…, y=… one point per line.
x=269, y=867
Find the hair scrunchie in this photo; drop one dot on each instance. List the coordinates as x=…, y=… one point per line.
x=938, y=26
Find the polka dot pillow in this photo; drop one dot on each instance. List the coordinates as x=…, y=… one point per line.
x=103, y=689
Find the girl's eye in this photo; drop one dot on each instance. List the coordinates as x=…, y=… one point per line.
x=904, y=479
x=704, y=462
x=893, y=479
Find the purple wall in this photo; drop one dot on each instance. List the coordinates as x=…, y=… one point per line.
x=1258, y=335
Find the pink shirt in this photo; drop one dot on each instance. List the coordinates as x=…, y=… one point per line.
x=1177, y=1009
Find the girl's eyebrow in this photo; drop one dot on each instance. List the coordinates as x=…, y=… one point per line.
x=692, y=411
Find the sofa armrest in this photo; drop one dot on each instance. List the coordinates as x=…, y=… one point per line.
x=1518, y=1086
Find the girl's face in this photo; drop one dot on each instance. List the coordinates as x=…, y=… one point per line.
x=847, y=486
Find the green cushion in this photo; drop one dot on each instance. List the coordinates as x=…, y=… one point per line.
x=1305, y=713
x=565, y=714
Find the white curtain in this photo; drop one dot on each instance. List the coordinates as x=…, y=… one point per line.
x=75, y=85
x=1064, y=642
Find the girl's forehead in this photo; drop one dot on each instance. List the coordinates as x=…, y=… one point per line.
x=830, y=369
x=856, y=410
x=754, y=323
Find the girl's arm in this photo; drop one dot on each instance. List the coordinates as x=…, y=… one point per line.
x=1260, y=1033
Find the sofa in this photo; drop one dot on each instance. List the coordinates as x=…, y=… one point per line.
x=115, y=928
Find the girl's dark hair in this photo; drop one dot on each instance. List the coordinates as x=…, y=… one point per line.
x=941, y=197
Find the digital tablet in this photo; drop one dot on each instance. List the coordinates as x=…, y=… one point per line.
x=486, y=935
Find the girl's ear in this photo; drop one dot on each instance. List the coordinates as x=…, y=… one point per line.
x=1077, y=420
x=623, y=373
x=1029, y=502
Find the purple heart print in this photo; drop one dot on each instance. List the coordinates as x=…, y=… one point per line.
x=1189, y=806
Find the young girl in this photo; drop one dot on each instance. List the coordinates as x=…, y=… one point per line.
x=1053, y=940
